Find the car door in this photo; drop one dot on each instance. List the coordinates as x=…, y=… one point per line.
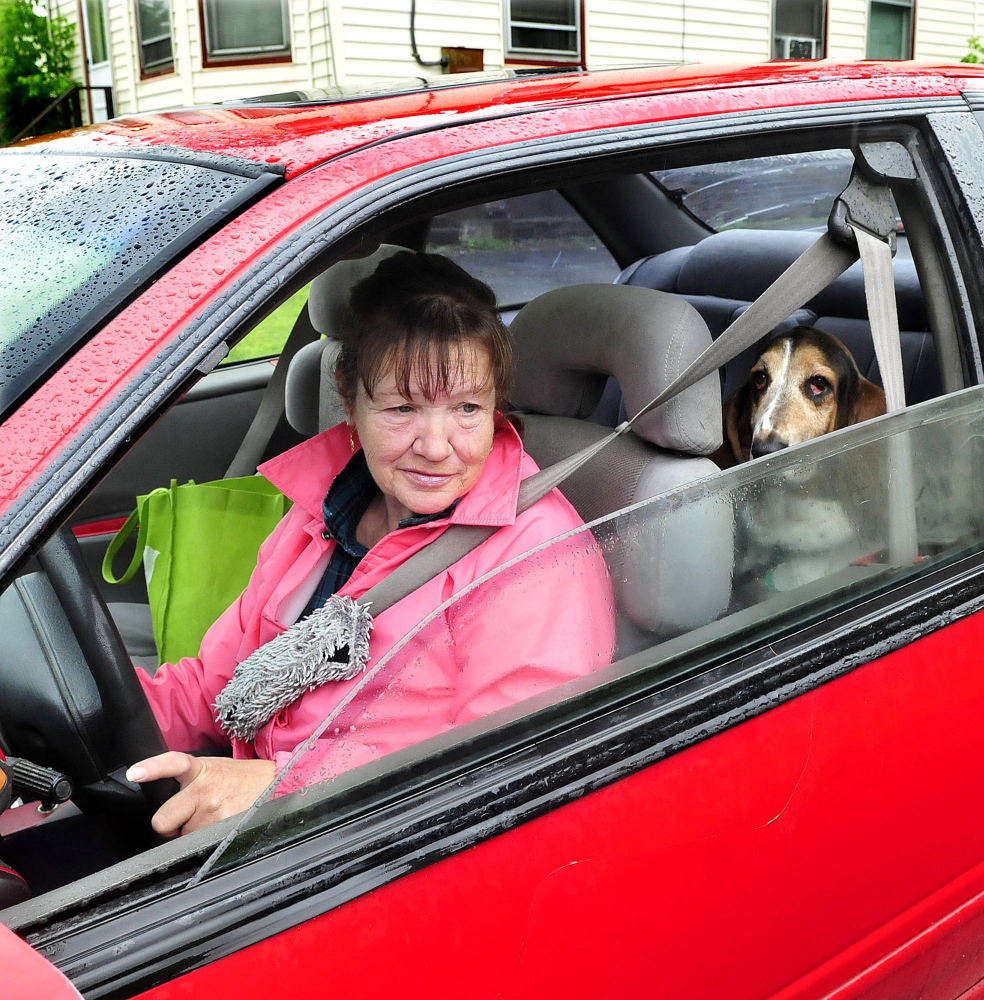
x=774, y=802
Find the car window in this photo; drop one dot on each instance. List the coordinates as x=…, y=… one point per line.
x=792, y=538
x=268, y=337
x=787, y=191
x=523, y=246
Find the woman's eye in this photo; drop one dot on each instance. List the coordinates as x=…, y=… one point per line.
x=817, y=387
x=405, y=408
x=469, y=407
x=760, y=379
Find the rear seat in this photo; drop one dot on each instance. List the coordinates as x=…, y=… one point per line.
x=724, y=273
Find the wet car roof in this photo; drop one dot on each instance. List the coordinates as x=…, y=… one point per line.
x=299, y=130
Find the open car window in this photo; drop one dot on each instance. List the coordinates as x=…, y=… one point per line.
x=747, y=553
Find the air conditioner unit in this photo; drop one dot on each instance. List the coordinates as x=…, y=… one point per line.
x=791, y=47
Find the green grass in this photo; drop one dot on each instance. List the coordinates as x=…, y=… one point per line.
x=267, y=338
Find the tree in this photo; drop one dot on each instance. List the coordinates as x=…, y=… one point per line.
x=35, y=66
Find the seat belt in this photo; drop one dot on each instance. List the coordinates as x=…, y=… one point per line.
x=273, y=402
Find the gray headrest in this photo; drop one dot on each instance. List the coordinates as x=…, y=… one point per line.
x=329, y=296
x=311, y=397
x=568, y=341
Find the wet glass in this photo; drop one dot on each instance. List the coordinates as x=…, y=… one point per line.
x=811, y=529
x=524, y=246
x=791, y=191
x=80, y=233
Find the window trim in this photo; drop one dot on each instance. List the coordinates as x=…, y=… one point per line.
x=256, y=56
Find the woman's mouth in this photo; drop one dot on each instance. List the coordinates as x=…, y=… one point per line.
x=427, y=479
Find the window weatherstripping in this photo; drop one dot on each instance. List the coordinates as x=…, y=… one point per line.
x=799, y=29
x=890, y=29
x=543, y=28
x=245, y=29
x=154, y=31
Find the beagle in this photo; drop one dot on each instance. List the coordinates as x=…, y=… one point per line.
x=804, y=384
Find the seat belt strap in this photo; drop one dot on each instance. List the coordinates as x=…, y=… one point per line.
x=273, y=403
x=883, y=315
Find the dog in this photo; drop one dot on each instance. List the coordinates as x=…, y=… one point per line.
x=806, y=523
x=804, y=384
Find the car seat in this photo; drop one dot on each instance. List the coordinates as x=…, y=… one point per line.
x=671, y=565
x=723, y=274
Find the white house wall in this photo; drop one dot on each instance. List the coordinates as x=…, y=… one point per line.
x=349, y=41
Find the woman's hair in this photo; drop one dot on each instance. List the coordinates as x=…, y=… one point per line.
x=414, y=315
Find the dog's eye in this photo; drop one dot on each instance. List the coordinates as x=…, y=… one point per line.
x=760, y=379
x=817, y=387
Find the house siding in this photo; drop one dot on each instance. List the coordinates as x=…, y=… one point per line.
x=348, y=41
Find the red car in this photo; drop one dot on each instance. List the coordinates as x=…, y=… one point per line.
x=771, y=792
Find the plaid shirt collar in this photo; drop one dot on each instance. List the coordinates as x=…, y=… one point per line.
x=348, y=498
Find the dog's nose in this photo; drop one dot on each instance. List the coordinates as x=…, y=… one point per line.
x=767, y=446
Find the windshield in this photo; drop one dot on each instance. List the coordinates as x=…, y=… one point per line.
x=730, y=559
x=82, y=233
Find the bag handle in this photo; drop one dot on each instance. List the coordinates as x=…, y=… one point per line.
x=117, y=543
x=861, y=216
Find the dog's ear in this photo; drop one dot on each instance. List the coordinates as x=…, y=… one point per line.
x=870, y=402
x=738, y=424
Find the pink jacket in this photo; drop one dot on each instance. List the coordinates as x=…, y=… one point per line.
x=545, y=621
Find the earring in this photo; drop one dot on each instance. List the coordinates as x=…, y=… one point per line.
x=352, y=438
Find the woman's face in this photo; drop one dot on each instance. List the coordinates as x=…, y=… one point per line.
x=424, y=454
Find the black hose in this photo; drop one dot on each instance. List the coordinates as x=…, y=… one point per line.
x=443, y=61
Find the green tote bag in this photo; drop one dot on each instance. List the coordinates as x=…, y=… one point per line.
x=198, y=545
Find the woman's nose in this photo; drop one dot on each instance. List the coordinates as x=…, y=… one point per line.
x=432, y=441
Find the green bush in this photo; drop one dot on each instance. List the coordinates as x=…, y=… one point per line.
x=35, y=66
x=976, y=53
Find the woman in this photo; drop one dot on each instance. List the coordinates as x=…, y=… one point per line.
x=422, y=373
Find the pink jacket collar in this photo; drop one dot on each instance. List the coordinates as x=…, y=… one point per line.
x=305, y=472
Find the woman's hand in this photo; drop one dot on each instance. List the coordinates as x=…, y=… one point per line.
x=212, y=788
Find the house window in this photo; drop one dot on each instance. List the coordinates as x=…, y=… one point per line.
x=95, y=32
x=543, y=28
x=890, y=29
x=154, y=29
x=246, y=29
x=799, y=29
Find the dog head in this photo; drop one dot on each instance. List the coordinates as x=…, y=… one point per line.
x=804, y=384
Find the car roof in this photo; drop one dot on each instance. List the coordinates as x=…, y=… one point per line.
x=299, y=130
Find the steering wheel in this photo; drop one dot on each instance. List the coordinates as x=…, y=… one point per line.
x=69, y=695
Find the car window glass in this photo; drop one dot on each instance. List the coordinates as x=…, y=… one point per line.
x=268, y=337
x=788, y=191
x=790, y=539
x=72, y=259
x=523, y=246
